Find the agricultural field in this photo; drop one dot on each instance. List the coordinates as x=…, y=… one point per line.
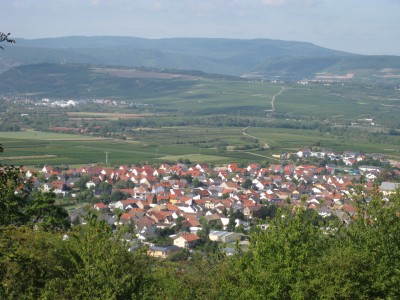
x=341, y=103
x=211, y=144
x=167, y=117
x=38, y=148
x=104, y=116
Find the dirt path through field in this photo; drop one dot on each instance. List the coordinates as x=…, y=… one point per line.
x=273, y=100
x=244, y=130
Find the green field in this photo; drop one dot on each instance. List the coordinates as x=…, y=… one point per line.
x=42, y=148
x=341, y=103
x=198, y=118
x=46, y=136
x=218, y=145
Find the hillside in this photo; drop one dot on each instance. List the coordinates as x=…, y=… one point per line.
x=84, y=80
x=259, y=58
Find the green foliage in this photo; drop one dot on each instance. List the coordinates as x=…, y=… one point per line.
x=189, y=279
x=81, y=182
x=299, y=256
x=42, y=211
x=162, y=237
x=19, y=207
x=277, y=257
x=304, y=257
x=99, y=265
x=180, y=255
x=29, y=259
x=247, y=184
x=117, y=196
x=264, y=212
x=13, y=199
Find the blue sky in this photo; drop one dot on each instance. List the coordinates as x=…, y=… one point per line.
x=358, y=26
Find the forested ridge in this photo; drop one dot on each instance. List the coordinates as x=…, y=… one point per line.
x=298, y=256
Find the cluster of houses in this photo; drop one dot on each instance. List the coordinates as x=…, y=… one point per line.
x=158, y=195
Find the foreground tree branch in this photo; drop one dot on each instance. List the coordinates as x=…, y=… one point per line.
x=5, y=37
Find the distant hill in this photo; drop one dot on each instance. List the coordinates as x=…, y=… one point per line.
x=88, y=81
x=256, y=58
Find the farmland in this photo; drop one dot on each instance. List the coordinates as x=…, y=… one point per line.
x=167, y=117
x=218, y=145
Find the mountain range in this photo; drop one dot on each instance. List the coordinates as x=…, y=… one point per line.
x=253, y=58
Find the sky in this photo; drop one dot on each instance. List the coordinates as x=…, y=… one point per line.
x=357, y=26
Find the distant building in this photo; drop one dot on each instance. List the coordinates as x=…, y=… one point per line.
x=224, y=236
x=162, y=252
x=186, y=240
x=388, y=188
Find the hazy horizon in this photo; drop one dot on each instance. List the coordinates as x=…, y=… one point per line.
x=355, y=26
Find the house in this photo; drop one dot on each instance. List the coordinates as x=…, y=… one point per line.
x=276, y=168
x=161, y=216
x=46, y=187
x=47, y=169
x=233, y=167
x=141, y=192
x=90, y=184
x=127, y=218
x=186, y=240
x=193, y=224
x=365, y=168
x=158, y=189
x=126, y=204
x=248, y=211
x=304, y=153
x=228, y=185
x=100, y=207
x=388, y=188
x=145, y=227
x=224, y=236
x=162, y=252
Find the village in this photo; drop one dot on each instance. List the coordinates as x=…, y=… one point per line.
x=171, y=207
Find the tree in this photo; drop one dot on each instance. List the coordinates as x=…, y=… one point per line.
x=233, y=215
x=5, y=38
x=247, y=184
x=116, y=196
x=29, y=259
x=275, y=267
x=81, y=182
x=197, y=183
x=18, y=206
x=98, y=265
x=42, y=211
x=181, y=255
x=13, y=198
